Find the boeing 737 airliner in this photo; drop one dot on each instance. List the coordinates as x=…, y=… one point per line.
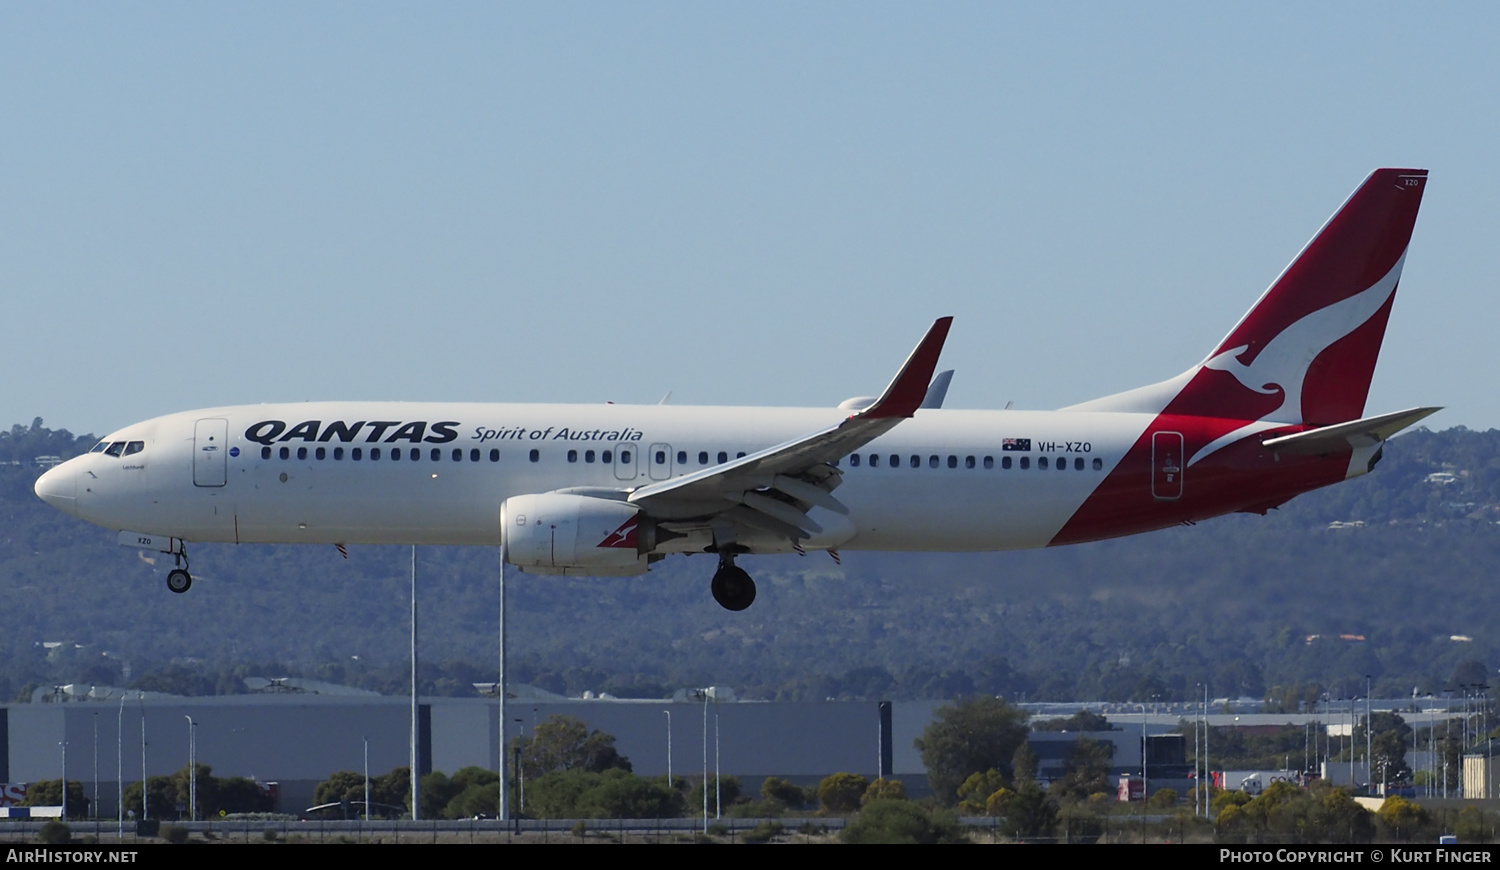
x=1274, y=410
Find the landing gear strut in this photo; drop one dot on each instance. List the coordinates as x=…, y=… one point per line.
x=178, y=579
x=733, y=588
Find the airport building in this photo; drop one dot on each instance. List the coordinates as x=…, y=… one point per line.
x=296, y=738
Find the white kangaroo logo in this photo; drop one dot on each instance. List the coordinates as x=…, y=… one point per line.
x=1282, y=364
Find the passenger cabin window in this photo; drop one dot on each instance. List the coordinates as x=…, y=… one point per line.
x=1025, y=462
x=458, y=454
x=874, y=460
x=374, y=453
x=932, y=462
x=437, y=455
x=607, y=456
x=702, y=457
x=953, y=462
x=572, y=455
x=265, y=453
x=301, y=452
x=854, y=460
x=1041, y=462
x=321, y=453
x=661, y=457
x=625, y=456
x=474, y=454
x=536, y=455
x=588, y=456
x=338, y=453
x=1098, y=464
x=494, y=454
x=723, y=457
x=285, y=452
x=969, y=462
x=1078, y=464
x=682, y=457
x=355, y=454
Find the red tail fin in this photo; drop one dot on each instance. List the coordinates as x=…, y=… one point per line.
x=1306, y=352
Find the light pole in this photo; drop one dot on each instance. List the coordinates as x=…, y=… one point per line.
x=192, y=768
x=669, y=747
x=95, y=805
x=120, y=765
x=416, y=775
x=64, y=745
x=705, y=761
x=145, y=792
x=367, y=777
x=1369, y=762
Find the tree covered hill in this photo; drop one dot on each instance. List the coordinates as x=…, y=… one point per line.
x=1263, y=606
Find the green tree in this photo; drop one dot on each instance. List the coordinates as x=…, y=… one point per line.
x=161, y=800
x=974, y=794
x=1086, y=770
x=1024, y=763
x=614, y=794
x=1401, y=817
x=343, y=785
x=565, y=743
x=621, y=794
x=48, y=793
x=883, y=789
x=972, y=735
x=902, y=821
x=787, y=794
x=237, y=794
x=1027, y=811
x=839, y=793
x=727, y=792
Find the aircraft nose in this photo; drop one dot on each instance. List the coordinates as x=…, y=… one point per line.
x=59, y=488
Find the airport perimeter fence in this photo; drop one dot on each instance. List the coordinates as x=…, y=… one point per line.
x=1155, y=828
x=407, y=831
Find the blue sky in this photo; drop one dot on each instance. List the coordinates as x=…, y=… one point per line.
x=752, y=203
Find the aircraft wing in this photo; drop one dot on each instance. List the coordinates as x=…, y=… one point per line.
x=774, y=488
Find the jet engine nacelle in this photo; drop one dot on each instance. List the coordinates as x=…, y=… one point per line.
x=561, y=533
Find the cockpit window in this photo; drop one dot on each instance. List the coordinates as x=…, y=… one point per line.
x=116, y=448
x=100, y=447
x=134, y=447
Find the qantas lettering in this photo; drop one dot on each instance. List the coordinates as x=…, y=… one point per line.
x=267, y=431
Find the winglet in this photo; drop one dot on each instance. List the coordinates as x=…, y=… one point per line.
x=904, y=395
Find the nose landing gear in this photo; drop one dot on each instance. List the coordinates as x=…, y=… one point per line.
x=732, y=587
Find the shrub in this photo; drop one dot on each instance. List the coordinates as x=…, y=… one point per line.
x=901, y=821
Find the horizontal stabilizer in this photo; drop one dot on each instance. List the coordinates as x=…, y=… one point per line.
x=1357, y=433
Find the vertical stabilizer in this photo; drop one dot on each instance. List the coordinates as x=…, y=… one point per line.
x=1305, y=353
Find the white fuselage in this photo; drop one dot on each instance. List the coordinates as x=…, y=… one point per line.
x=943, y=480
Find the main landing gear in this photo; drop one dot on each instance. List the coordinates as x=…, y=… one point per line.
x=178, y=579
x=733, y=588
